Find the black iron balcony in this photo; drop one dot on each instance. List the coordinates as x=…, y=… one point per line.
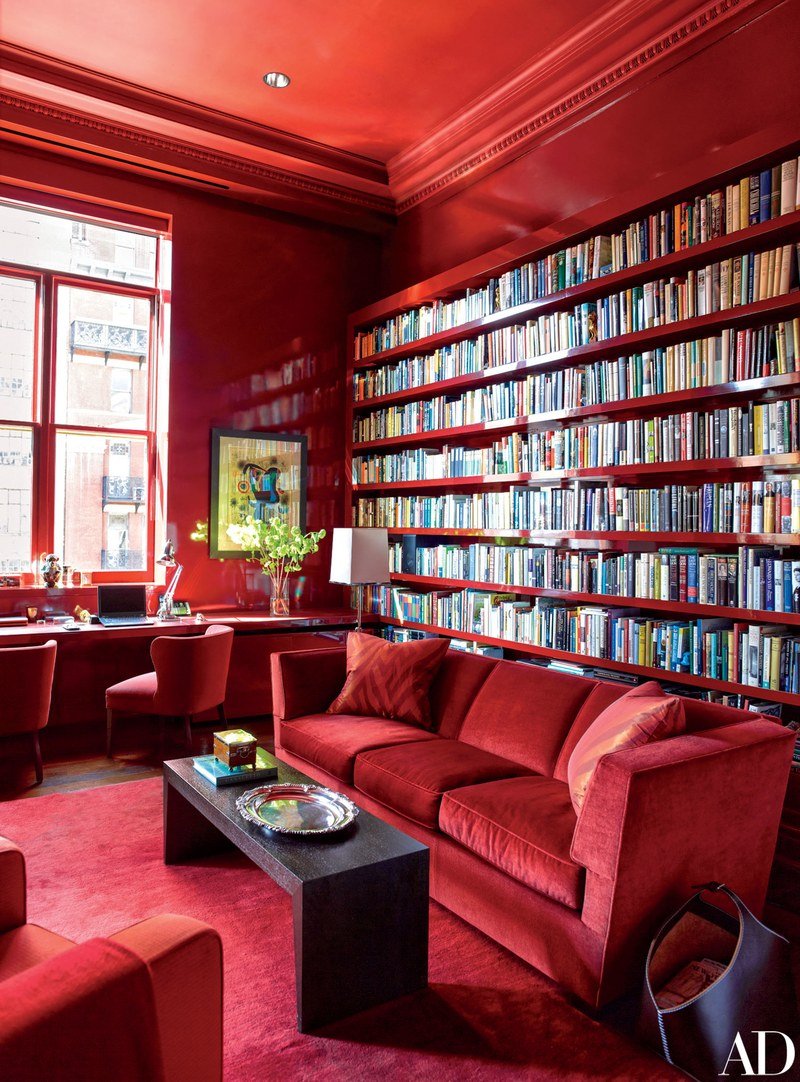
x=123, y=493
x=121, y=560
x=107, y=339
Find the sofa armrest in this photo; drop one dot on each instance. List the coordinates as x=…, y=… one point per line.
x=306, y=681
x=13, y=912
x=184, y=957
x=661, y=818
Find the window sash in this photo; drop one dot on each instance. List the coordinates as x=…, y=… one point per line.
x=43, y=427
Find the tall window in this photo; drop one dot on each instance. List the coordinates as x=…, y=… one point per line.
x=80, y=313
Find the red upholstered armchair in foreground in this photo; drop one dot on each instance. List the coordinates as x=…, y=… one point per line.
x=191, y=675
x=26, y=676
x=147, y=999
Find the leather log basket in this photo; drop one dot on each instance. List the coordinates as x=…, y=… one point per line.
x=755, y=992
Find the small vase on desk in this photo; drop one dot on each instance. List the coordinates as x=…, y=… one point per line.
x=279, y=601
x=50, y=570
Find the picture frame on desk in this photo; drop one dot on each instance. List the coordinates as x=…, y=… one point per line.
x=254, y=473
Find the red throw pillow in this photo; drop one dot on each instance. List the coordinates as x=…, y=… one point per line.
x=640, y=716
x=390, y=679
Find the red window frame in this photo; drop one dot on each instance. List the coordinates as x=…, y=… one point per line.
x=43, y=425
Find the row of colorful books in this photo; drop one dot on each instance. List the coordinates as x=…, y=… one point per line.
x=640, y=308
x=755, y=578
x=755, y=198
x=766, y=351
x=730, y=283
x=462, y=646
x=757, y=507
x=755, y=429
x=733, y=356
x=751, y=654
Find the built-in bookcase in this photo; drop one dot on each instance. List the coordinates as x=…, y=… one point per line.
x=591, y=455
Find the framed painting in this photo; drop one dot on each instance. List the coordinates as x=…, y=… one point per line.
x=254, y=473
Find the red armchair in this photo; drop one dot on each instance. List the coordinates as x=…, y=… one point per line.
x=157, y=986
x=26, y=676
x=191, y=674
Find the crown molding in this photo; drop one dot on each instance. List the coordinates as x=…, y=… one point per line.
x=77, y=111
x=167, y=157
x=553, y=92
x=48, y=71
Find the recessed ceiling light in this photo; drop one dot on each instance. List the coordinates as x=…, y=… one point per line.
x=276, y=79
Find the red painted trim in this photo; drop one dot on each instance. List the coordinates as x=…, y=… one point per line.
x=120, y=214
x=511, y=118
x=49, y=70
x=45, y=428
x=171, y=158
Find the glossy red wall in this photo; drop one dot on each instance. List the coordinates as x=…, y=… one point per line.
x=736, y=88
x=253, y=290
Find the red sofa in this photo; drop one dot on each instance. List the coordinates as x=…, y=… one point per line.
x=579, y=897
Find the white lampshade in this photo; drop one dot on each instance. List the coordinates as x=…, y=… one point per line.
x=360, y=555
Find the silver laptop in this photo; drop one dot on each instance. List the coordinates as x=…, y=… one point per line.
x=122, y=606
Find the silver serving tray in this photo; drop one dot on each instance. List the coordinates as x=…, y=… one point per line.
x=289, y=808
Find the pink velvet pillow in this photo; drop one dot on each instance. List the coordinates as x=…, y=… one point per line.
x=389, y=679
x=640, y=716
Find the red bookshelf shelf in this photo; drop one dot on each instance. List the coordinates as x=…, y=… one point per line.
x=760, y=616
x=778, y=463
x=765, y=389
x=776, y=308
x=502, y=372
x=613, y=538
x=708, y=682
x=765, y=233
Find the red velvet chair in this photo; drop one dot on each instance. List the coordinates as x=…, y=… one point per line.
x=62, y=1000
x=191, y=673
x=26, y=677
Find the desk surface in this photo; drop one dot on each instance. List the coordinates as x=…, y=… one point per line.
x=241, y=622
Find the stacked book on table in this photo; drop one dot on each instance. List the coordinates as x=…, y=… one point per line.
x=265, y=768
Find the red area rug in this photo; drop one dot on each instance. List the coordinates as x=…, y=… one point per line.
x=94, y=866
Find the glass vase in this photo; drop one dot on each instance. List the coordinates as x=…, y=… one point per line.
x=279, y=601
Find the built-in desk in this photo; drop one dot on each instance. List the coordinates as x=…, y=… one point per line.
x=93, y=658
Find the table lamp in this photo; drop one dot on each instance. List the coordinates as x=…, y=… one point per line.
x=360, y=555
x=167, y=559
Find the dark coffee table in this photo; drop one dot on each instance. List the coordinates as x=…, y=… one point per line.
x=359, y=897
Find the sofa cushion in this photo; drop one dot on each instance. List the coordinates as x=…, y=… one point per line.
x=389, y=679
x=642, y=715
x=524, y=827
x=458, y=681
x=332, y=741
x=524, y=712
x=412, y=778
x=603, y=694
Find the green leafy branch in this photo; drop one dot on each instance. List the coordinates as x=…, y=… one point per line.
x=277, y=546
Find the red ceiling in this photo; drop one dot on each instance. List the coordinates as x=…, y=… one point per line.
x=368, y=76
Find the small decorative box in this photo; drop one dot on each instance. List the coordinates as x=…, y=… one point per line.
x=235, y=747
